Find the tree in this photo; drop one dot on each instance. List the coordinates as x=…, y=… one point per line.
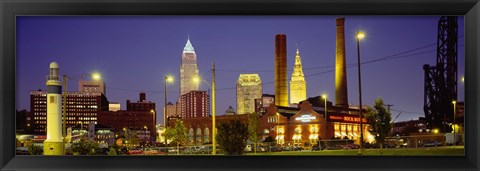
x=84, y=147
x=253, y=124
x=35, y=150
x=177, y=134
x=232, y=137
x=130, y=138
x=112, y=152
x=379, y=120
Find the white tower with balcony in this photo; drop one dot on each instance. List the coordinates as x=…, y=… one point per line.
x=54, y=145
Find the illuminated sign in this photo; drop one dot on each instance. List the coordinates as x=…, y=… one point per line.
x=345, y=118
x=306, y=118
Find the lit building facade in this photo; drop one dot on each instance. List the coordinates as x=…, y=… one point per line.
x=262, y=103
x=95, y=86
x=103, y=135
x=188, y=69
x=249, y=88
x=298, y=86
x=171, y=110
x=195, y=104
x=132, y=121
x=113, y=106
x=82, y=109
x=305, y=126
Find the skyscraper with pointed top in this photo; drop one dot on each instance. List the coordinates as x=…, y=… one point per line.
x=188, y=69
x=298, y=86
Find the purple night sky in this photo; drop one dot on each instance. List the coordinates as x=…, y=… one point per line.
x=134, y=53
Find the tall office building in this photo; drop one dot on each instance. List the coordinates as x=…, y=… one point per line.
x=188, y=69
x=281, y=90
x=249, y=88
x=195, y=104
x=82, y=109
x=95, y=86
x=298, y=86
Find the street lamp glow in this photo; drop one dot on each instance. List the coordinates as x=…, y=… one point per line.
x=96, y=76
x=196, y=79
x=453, y=102
x=324, y=96
x=463, y=79
x=360, y=35
x=169, y=79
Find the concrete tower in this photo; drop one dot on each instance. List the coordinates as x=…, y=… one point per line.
x=298, y=86
x=54, y=145
x=281, y=91
x=188, y=69
x=341, y=95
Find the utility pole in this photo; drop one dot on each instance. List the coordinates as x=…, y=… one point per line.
x=388, y=107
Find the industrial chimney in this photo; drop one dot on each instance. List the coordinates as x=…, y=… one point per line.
x=281, y=89
x=341, y=95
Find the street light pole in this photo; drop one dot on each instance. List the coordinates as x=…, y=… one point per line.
x=65, y=79
x=359, y=36
x=325, y=97
x=153, y=122
x=165, y=114
x=278, y=125
x=214, y=131
x=454, y=131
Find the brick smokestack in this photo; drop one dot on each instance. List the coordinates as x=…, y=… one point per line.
x=341, y=95
x=281, y=90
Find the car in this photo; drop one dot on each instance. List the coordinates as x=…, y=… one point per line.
x=287, y=148
x=248, y=148
x=275, y=148
x=172, y=150
x=316, y=148
x=297, y=148
x=151, y=151
x=431, y=144
x=135, y=152
x=353, y=146
x=389, y=145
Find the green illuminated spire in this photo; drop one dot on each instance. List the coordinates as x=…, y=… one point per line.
x=188, y=46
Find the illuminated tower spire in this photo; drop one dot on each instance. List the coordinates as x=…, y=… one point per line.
x=188, y=69
x=298, y=86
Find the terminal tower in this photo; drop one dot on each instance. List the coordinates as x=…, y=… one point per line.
x=298, y=86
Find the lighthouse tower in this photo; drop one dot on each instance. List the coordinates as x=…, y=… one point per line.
x=54, y=145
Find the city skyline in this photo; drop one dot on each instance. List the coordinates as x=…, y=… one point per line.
x=133, y=54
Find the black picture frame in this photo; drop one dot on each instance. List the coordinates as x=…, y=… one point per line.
x=11, y=8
